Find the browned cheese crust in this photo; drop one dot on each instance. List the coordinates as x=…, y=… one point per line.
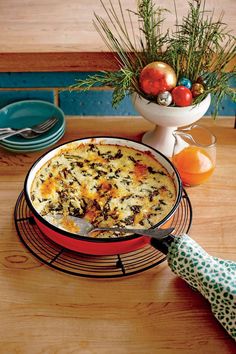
x=109, y=185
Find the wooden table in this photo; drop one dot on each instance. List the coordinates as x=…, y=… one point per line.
x=47, y=311
x=59, y=35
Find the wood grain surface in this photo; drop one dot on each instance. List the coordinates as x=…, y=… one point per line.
x=62, y=35
x=44, y=311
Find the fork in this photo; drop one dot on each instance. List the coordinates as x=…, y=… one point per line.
x=29, y=133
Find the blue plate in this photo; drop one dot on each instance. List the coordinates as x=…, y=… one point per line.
x=28, y=113
x=36, y=148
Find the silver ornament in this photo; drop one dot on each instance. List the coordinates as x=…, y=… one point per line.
x=164, y=98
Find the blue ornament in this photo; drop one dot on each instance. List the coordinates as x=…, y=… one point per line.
x=183, y=81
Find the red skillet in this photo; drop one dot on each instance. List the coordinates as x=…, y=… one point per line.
x=100, y=246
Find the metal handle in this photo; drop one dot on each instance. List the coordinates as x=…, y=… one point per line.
x=155, y=233
x=163, y=244
x=8, y=135
x=6, y=130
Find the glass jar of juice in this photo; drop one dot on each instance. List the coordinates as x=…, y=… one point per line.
x=194, y=154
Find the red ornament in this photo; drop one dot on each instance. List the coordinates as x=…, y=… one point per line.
x=157, y=77
x=182, y=96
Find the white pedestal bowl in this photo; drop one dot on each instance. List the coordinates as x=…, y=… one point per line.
x=167, y=120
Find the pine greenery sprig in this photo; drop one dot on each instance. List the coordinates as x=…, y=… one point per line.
x=131, y=53
x=150, y=22
x=197, y=43
x=121, y=81
x=198, y=47
x=202, y=47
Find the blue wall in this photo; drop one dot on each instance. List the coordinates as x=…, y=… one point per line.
x=53, y=87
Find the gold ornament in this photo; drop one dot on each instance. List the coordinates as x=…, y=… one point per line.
x=197, y=89
x=157, y=77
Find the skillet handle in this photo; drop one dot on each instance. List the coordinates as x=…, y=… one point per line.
x=162, y=244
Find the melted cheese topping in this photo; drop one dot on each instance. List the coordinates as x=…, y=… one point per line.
x=109, y=185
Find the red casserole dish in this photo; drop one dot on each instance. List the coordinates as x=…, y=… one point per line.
x=100, y=246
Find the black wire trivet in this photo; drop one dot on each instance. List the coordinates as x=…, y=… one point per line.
x=80, y=264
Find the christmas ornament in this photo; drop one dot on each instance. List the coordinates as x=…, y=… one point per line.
x=164, y=98
x=157, y=77
x=183, y=81
x=197, y=89
x=182, y=96
x=202, y=81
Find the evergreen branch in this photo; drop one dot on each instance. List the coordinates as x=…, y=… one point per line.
x=198, y=47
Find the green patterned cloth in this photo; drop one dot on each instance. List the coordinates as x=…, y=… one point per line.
x=213, y=277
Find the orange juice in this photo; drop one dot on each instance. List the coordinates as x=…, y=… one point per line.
x=194, y=165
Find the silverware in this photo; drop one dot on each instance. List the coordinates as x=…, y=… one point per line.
x=85, y=228
x=29, y=133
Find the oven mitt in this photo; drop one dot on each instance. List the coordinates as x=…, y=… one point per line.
x=213, y=277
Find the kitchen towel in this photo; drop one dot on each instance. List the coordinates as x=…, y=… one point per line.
x=213, y=277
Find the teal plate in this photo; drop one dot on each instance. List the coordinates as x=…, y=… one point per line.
x=28, y=113
x=32, y=149
x=31, y=142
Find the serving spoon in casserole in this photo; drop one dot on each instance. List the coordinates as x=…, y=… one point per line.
x=85, y=228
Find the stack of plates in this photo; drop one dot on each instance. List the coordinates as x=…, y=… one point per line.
x=26, y=114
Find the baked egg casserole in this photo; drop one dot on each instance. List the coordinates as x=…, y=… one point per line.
x=108, y=185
